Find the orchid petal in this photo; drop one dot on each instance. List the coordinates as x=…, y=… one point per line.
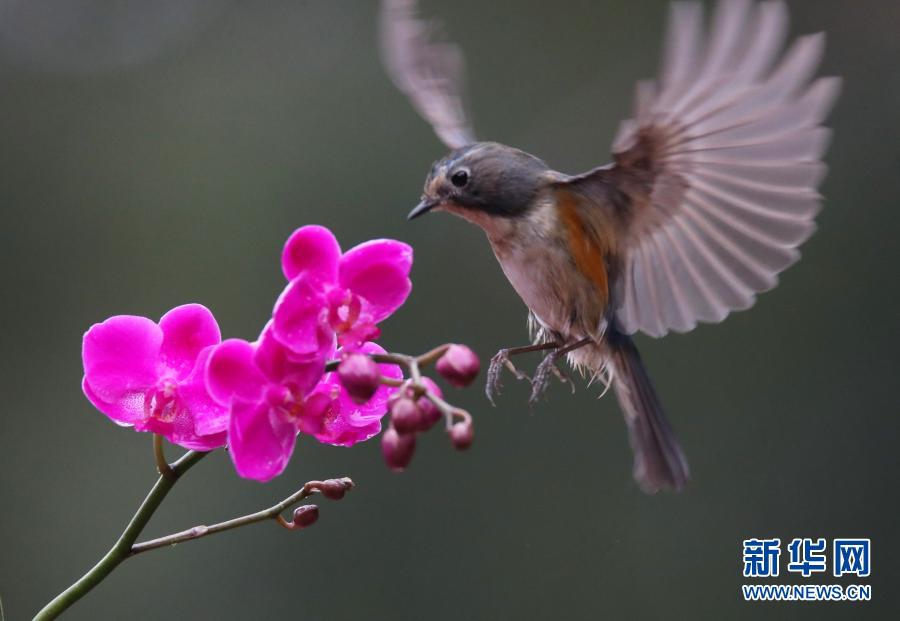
x=312, y=252
x=432, y=387
x=151, y=424
x=181, y=429
x=298, y=321
x=126, y=411
x=209, y=417
x=231, y=373
x=120, y=356
x=201, y=442
x=316, y=409
x=260, y=440
x=351, y=434
x=186, y=331
x=378, y=272
x=332, y=426
x=345, y=427
x=277, y=364
x=361, y=332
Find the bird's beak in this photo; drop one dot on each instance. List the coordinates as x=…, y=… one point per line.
x=426, y=205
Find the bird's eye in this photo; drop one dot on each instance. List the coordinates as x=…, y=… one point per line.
x=460, y=178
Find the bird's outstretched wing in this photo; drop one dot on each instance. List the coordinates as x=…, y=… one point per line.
x=426, y=70
x=718, y=169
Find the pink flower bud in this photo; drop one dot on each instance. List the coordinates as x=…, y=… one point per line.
x=360, y=375
x=405, y=415
x=459, y=365
x=397, y=449
x=305, y=515
x=462, y=434
x=430, y=412
x=334, y=489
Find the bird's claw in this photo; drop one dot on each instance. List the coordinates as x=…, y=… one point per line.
x=563, y=378
x=542, y=374
x=495, y=370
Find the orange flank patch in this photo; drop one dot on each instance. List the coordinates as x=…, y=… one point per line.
x=587, y=250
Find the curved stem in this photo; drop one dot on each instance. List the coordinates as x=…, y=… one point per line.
x=162, y=466
x=390, y=381
x=122, y=548
x=428, y=357
x=197, y=532
x=399, y=359
x=413, y=364
x=447, y=410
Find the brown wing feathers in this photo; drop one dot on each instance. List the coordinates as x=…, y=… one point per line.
x=589, y=250
x=428, y=72
x=719, y=166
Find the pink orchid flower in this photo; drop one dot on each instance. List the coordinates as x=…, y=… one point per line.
x=334, y=293
x=268, y=394
x=150, y=376
x=273, y=397
x=345, y=422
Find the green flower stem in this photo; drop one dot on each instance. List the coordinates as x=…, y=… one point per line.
x=122, y=548
x=126, y=547
x=448, y=410
x=402, y=360
x=162, y=466
x=411, y=363
x=272, y=513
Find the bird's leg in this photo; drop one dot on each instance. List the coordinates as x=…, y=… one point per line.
x=501, y=359
x=548, y=367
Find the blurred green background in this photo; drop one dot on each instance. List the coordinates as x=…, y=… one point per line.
x=153, y=154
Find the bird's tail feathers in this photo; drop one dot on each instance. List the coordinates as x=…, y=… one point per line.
x=659, y=462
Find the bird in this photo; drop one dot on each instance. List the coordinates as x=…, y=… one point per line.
x=711, y=189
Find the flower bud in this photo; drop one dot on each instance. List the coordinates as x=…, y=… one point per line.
x=397, y=449
x=462, y=434
x=333, y=489
x=360, y=375
x=430, y=412
x=405, y=415
x=459, y=365
x=305, y=515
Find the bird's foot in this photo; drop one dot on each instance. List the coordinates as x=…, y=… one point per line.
x=495, y=370
x=542, y=374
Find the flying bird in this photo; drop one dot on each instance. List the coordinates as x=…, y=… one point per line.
x=711, y=189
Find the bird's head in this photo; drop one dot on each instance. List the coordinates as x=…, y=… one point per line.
x=483, y=180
